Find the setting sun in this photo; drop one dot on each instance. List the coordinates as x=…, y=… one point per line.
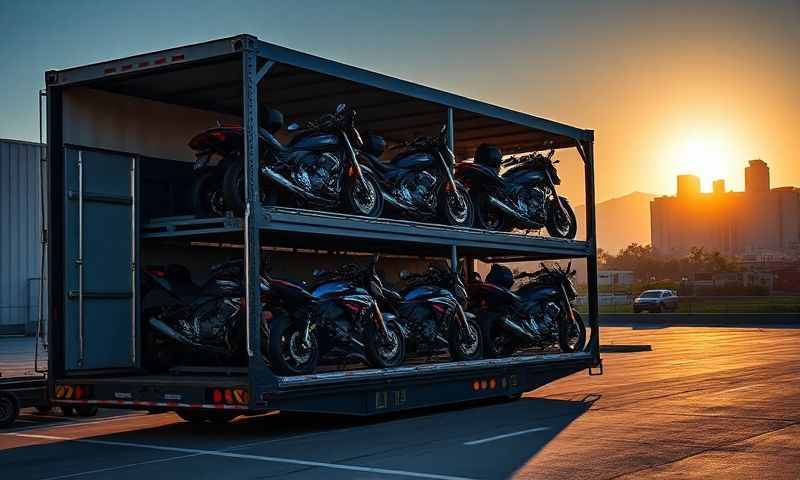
x=707, y=154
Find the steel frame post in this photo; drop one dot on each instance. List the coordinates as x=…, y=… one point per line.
x=258, y=373
x=586, y=150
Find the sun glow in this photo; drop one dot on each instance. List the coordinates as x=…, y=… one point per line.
x=707, y=154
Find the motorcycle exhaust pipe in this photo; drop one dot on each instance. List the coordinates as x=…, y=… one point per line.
x=283, y=182
x=180, y=338
x=513, y=327
x=507, y=210
x=171, y=332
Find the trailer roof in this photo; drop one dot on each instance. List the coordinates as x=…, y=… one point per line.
x=209, y=76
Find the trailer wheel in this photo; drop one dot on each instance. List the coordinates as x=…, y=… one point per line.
x=8, y=410
x=463, y=347
x=287, y=354
x=86, y=410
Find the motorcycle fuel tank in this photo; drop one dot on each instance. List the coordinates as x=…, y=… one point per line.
x=425, y=292
x=315, y=141
x=334, y=289
x=413, y=160
x=525, y=175
x=537, y=293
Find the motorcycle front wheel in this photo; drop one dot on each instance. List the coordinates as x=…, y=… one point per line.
x=361, y=199
x=571, y=334
x=207, y=195
x=388, y=352
x=233, y=188
x=463, y=346
x=457, y=211
x=561, y=223
x=287, y=353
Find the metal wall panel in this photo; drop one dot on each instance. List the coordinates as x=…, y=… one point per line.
x=20, y=241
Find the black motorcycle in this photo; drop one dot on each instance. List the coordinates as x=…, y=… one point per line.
x=539, y=313
x=317, y=169
x=524, y=196
x=216, y=149
x=431, y=309
x=418, y=183
x=193, y=322
x=343, y=321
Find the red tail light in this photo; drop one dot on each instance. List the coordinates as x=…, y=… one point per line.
x=217, y=396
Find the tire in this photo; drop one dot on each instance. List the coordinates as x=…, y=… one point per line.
x=284, y=359
x=385, y=356
x=207, y=194
x=486, y=217
x=86, y=410
x=552, y=218
x=195, y=416
x=233, y=188
x=460, y=351
x=355, y=200
x=566, y=334
x=446, y=208
x=9, y=410
x=493, y=347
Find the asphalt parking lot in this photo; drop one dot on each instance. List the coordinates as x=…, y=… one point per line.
x=704, y=403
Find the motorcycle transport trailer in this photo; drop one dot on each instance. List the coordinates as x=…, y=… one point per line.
x=120, y=176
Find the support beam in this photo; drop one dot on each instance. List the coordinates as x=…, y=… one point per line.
x=586, y=150
x=258, y=373
x=262, y=72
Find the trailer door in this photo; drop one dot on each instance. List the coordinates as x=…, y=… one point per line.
x=100, y=318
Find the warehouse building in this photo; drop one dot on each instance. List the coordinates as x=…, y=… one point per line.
x=20, y=236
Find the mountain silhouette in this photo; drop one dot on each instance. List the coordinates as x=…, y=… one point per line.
x=620, y=221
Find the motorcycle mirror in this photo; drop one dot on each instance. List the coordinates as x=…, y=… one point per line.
x=293, y=127
x=405, y=275
x=341, y=108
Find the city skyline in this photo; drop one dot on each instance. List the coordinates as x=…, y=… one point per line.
x=702, y=89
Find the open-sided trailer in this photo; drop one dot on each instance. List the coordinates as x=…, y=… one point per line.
x=115, y=132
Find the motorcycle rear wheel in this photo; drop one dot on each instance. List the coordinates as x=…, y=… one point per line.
x=571, y=335
x=233, y=189
x=388, y=354
x=487, y=217
x=460, y=347
x=207, y=194
x=495, y=344
x=286, y=355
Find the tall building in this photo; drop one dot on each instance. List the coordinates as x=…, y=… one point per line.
x=758, y=220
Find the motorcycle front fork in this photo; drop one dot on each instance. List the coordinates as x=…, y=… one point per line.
x=461, y=317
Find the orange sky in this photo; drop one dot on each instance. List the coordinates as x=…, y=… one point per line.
x=670, y=87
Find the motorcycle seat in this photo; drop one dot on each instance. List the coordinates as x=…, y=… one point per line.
x=392, y=296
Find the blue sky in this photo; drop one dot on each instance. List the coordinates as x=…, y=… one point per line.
x=639, y=73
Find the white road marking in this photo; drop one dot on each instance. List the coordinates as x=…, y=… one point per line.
x=506, y=435
x=76, y=423
x=120, y=467
x=243, y=456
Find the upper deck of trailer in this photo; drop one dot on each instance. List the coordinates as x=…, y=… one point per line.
x=209, y=76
